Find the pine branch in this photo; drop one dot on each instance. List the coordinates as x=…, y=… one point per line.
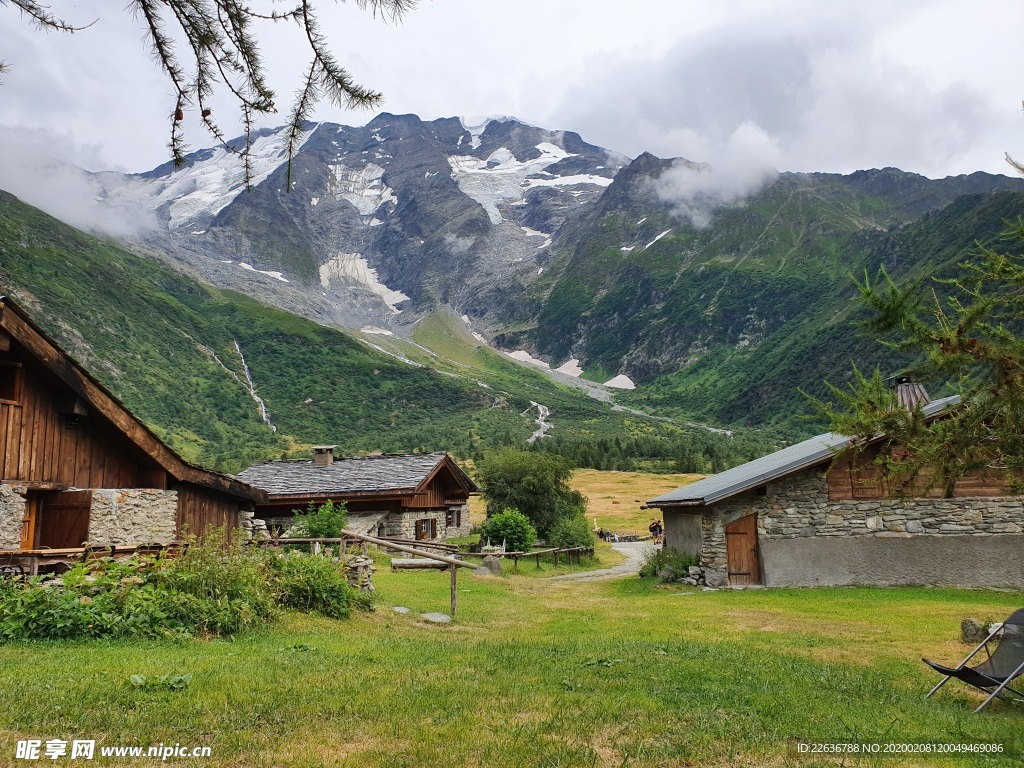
x=224, y=54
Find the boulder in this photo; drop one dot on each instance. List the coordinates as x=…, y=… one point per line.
x=436, y=618
x=972, y=631
x=715, y=579
x=491, y=566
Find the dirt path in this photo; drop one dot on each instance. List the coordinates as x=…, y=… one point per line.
x=635, y=552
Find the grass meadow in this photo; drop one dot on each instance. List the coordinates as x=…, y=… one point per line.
x=533, y=673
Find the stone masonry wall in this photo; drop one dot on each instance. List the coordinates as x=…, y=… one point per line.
x=799, y=507
x=133, y=516
x=460, y=530
x=12, y=514
x=402, y=525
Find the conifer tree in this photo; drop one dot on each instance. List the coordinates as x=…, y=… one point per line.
x=969, y=333
x=222, y=53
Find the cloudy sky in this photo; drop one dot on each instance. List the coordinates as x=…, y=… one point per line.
x=932, y=86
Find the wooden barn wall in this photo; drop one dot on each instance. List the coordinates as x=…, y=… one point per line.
x=432, y=498
x=37, y=445
x=859, y=478
x=199, y=509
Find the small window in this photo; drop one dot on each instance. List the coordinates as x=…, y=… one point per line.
x=453, y=519
x=426, y=529
x=10, y=382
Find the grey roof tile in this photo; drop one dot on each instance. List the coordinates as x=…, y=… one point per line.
x=790, y=459
x=387, y=472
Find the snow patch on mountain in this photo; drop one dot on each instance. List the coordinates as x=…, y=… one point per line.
x=622, y=381
x=571, y=367
x=657, y=238
x=251, y=268
x=502, y=178
x=353, y=267
x=363, y=187
x=207, y=186
x=525, y=357
x=477, y=124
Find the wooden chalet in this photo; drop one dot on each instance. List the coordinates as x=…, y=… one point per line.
x=405, y=496
x=76, y=466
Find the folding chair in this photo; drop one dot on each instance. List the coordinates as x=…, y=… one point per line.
x=1000, y=668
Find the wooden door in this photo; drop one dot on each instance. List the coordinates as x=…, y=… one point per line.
x=741, y=551
x=64, y=521
x=28, y=523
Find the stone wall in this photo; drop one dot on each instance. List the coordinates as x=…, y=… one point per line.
x=798, y=508
x=465, y=529
x=133, y=516
x=402, y=525
x=12, y=515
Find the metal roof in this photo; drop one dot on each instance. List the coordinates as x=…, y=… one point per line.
x=386, y=472
x=791, y=459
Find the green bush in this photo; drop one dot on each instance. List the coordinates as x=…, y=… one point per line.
x=309, y=582
x=667, y=565
x=324, y=522
x=570, y=532
x=512, y=527
x=213, y=588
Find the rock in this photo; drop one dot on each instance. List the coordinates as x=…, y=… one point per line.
x=695, y=571
x=491, y=565
x=972, y=631
x=914, y=526
x=690, y=581
x=437, y=618
x=400, y=609
x=715, y=578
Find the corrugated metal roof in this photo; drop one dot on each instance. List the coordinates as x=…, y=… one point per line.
x=793, y=458
x=387, y=472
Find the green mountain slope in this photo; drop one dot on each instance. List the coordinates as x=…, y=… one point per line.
x=172, y=349
x=725, y=323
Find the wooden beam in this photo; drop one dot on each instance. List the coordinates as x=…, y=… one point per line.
x=5, y=341
x=14, y=322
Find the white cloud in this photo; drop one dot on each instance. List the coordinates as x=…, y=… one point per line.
x=31, y=169
x=744, y=166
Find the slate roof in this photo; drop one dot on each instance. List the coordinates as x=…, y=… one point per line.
x=789, y=460
x=383, y=473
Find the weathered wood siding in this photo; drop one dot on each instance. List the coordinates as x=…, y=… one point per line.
x=859, y=478
x=38, y=444
x=199, y=509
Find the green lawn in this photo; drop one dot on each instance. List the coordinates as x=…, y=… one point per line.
x=533, y=673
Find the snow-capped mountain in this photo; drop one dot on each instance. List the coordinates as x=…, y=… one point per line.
x=380, y=221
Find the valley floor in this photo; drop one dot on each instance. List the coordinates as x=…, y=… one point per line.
x=533, y=673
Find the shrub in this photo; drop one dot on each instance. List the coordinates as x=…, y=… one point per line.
x=512, y=527
x=668, y=565
x=214, y=587
x=572, y=532
x=309, y=582
x=324, y=522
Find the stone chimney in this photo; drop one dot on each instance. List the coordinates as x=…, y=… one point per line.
x=908, y=394
x=323, y=455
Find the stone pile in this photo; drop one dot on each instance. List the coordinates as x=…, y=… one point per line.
x=698, y=576
x=359, y=570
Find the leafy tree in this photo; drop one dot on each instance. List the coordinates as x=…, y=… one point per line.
x=222, y=54
x=968, y=331
x=570, y=532
x=535, y=483
x=511, y=527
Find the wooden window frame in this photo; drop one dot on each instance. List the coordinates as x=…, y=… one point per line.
x=18, y=381
x=453, y=518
